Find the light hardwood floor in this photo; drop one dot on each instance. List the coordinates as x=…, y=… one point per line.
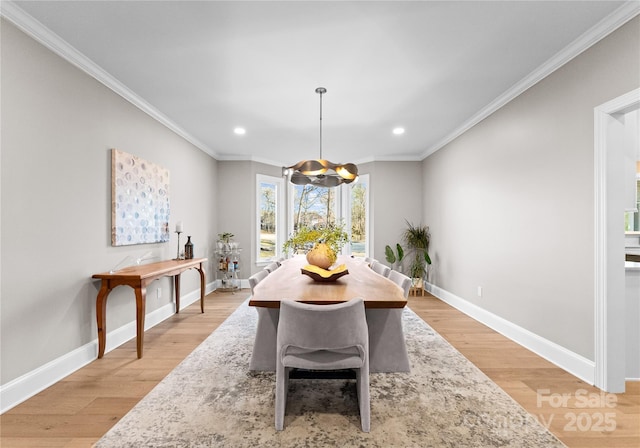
x=577, y=413
x=78, y=410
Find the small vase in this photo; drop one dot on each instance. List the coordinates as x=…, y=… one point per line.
x=188, y=249
x=322, y=256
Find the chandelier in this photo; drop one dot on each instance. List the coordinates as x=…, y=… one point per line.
x=321, y=172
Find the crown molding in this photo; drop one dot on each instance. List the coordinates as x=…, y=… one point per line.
x=250, y=158
x=395, y=158
x=55, y=43
x=62, y=48
x=247, y=158
x=596, y=33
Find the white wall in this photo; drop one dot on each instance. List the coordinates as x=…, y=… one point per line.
x=631, y=150
x=511, y=204
x=58, y=126
x=395, y=196
x=237, y=210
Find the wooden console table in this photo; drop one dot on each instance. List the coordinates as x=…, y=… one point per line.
x=138, y=277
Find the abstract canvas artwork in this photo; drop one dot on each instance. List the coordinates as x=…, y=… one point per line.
x=139, y=200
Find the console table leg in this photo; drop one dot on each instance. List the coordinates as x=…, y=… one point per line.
x=176, y=282
x=141, y=296
x=202, y=283
x=101, y=316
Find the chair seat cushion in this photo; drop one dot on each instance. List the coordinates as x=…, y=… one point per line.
x=347, y=358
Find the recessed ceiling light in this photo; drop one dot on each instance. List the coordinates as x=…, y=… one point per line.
x=398, y=131
x=239, y=131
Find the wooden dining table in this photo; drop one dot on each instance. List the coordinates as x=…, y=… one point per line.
x=383, y=300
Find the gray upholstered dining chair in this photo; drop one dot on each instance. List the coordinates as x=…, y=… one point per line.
x=401, y=280
x=257, y=278
x=323, y=337
x=271, y=267
x=380, y=268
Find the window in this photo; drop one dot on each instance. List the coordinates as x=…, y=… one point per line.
x=313, y=206
x=270, y=224
x=631, y=218
x=359, y=216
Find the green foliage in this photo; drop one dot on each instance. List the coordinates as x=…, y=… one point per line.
x=226, y=236
x=417, y=238
x=391, y=256
x=305, y=238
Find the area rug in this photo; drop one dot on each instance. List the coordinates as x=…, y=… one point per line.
x=212, y=400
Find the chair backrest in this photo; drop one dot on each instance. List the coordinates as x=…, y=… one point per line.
x=257, y=278
x=380, y=268
x=401, y=280
x=323, y=327
x=271, y=267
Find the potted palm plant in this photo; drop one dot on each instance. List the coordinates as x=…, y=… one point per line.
x=416, y=238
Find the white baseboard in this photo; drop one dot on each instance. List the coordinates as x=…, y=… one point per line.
x=20, y=389
x=573, y=363
x=24, y=387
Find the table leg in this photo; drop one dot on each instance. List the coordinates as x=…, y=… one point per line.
x=141, y=297
x=176, y=280
x=101, y=316
x=202, y=284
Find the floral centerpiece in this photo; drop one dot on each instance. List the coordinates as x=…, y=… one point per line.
x=321, y=244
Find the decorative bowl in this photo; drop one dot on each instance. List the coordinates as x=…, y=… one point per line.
x=324, y=275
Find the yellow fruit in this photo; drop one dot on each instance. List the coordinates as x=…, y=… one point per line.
x=322, y=256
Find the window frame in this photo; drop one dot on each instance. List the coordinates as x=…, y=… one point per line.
x=634, y=214
x=346, y=212
x=342, y=210
x=280, y=223
x=291, y=207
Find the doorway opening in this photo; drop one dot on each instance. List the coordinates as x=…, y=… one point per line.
x=609, y=278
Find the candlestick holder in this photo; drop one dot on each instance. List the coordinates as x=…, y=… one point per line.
x=178, y=254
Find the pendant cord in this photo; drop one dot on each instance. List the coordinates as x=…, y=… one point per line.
x=322, y=173
x=320, y=125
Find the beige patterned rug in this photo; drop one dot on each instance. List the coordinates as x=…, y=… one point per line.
x=212, y=400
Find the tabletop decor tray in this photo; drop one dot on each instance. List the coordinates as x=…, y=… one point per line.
x=325, y=275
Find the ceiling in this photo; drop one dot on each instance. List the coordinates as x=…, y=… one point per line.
x=207, y=67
